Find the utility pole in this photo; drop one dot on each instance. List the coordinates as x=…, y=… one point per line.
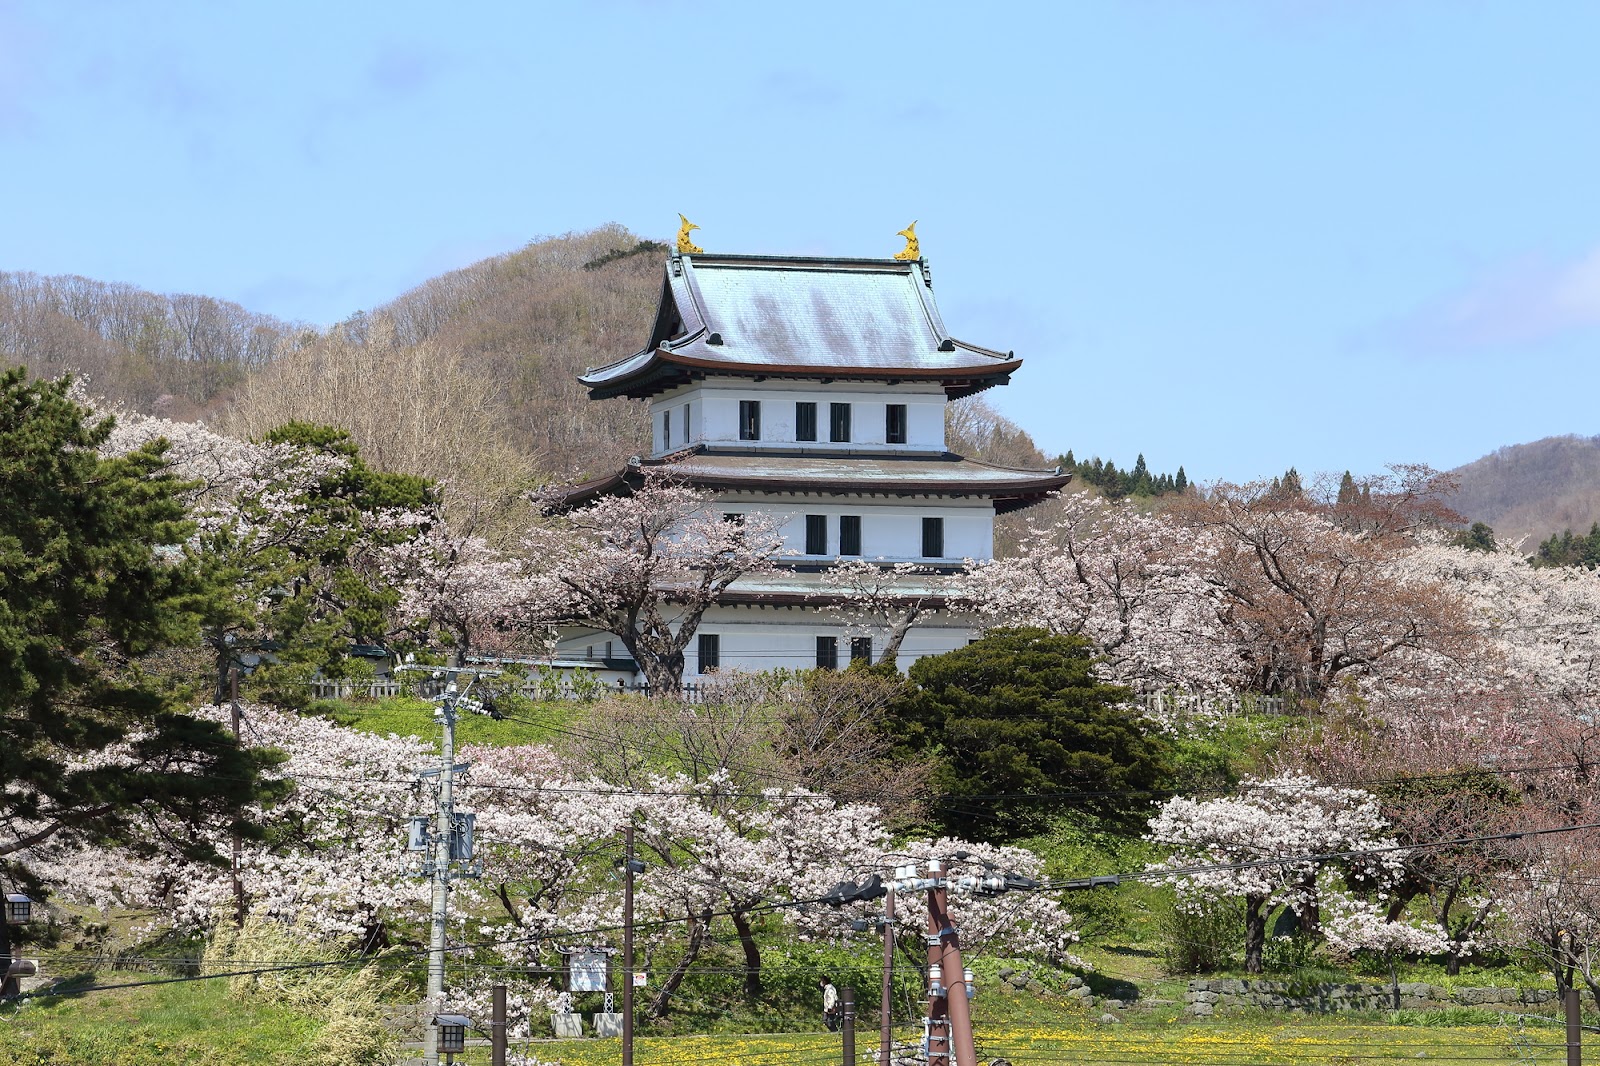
x=886, y=1007
x=627, y=945
x=497, y=1026
x=448, y=842
x=847, y=1024
x=238, y=841
x=949, y=948
x=938, y=1020
x=1572, y=1008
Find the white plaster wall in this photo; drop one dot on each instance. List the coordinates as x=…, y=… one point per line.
x=758, y=639
x=891, y=528
x=714, y=414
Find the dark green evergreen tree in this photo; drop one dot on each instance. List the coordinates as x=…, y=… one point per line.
x=90, y=586
x=1181, y=482
x=1024, y=731
x=308, y=591
x=1347, y=490
x=1479, y=538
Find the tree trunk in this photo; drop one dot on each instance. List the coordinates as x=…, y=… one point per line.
x=752, y=957
x=897, y=637
x=1255, y=932
x=669, y=988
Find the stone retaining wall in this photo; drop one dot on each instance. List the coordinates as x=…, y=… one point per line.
x=1204, y=997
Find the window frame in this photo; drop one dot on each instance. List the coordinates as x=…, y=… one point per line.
x=861, y=649
x=749, y=419
x=850, y=535
x=713, y=643
x=816, y=534
x=933, y=536
x=839, y=423
x=827, y=653
x=896, y=421
x=805, y=420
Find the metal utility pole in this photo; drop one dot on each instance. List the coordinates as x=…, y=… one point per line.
x=886, y=1008
x=238, y=841
x=627, y=945
x=847, y=1024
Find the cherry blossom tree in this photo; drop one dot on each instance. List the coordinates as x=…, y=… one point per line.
x=645, y=567
x=1131, y=582
x=884, y=601
x=1311, y=592
x=1261, y=846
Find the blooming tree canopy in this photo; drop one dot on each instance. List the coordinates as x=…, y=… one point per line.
x=646, y=566
x=1263, y=845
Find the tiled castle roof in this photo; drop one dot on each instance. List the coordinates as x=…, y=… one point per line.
x=799, y=317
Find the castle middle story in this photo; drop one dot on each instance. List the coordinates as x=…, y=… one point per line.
x=813, y=389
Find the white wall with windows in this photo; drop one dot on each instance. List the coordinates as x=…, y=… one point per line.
x=720, y=412
x=752, y=639
x=891, y=528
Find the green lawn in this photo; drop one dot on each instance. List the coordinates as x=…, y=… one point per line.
x=157, y=1025
x=538, y=723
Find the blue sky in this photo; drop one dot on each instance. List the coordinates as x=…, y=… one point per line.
x=1231, y=235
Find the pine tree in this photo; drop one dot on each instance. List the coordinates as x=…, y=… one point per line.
x=1181, y=482
x=1347, y=490
x=89, y=585
x=1139, y=479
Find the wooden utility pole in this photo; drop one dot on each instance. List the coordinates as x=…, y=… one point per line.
x=938, y=1010
x=847, y=1024
x=497, y=1026
x=958, y=1010
x=1569, y=1001
x=886, y=1005
x=627, y=946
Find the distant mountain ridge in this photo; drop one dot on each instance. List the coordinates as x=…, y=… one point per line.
x=1529, y=491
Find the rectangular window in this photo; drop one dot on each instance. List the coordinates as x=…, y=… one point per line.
x=860, y=649
x=666, y=430
x=827, y=653
x=933, y=538
x=838, y=422
x=736, y=517
x=710, y=652
x=894, y=423
x=816, y=534
x=850, y=534
x=686, y=433
x=749, y=419
x=805, y=421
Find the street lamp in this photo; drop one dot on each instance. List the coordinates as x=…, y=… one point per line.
x=19, y=909
x=452, y=1032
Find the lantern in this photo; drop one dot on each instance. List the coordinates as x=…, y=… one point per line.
x=19, y=909
x=452, y=1032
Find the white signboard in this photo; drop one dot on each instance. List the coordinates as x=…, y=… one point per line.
x=586, y=972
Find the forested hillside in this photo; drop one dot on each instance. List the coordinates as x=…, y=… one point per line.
x=181, y=356
x=1528, y=492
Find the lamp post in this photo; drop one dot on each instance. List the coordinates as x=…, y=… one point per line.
x=452, y=1030
x=19, y=909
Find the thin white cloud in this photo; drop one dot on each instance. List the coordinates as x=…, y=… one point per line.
x=1526, y=301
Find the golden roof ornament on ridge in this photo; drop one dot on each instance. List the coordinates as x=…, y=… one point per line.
x=910, y=251
x=686, y=246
